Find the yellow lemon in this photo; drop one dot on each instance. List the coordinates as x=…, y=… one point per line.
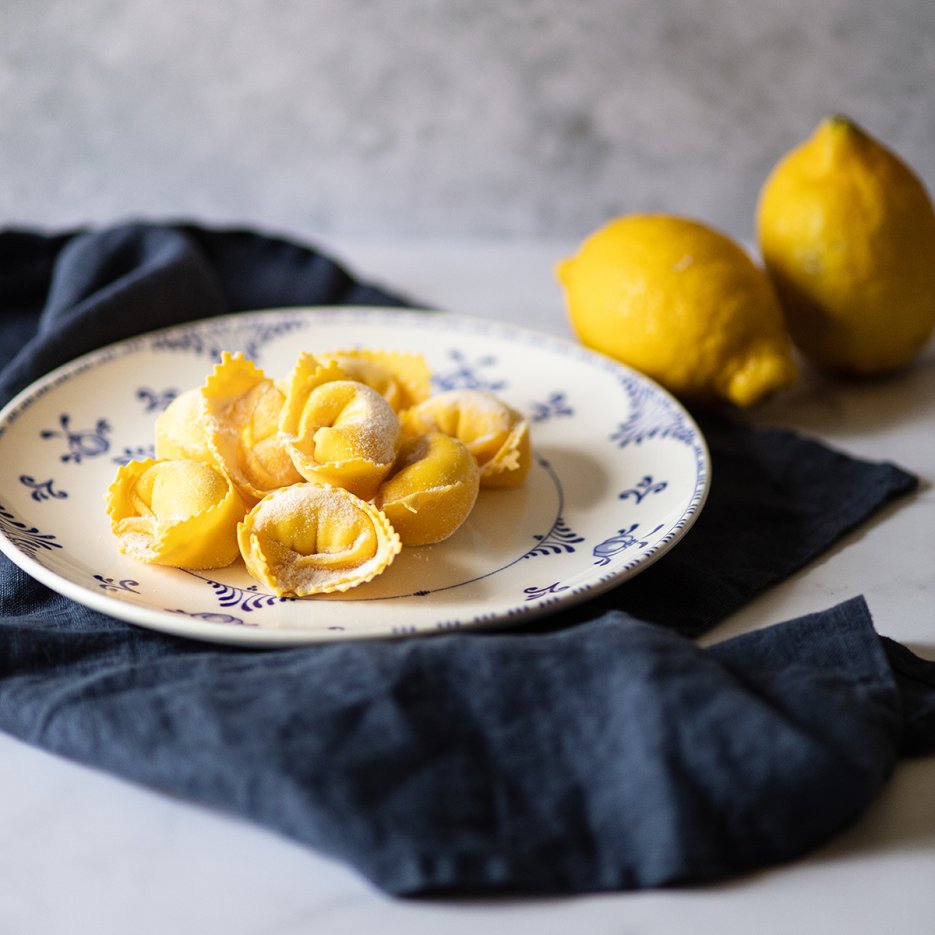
x=847, y=233
x=682, y=303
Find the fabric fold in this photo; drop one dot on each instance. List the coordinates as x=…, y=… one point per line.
x=770, y=511
x=599, y=748
x=616, y=754
x=69, y=294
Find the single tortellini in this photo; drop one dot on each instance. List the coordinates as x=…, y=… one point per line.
x=315, y=539
x=495, y=433
x=338, y=431
x=402, y=379
x=431, y=490
x=177, y=512
x=242, y=408
x=180, y=428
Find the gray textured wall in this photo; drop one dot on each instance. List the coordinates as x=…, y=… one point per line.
x=439, y=117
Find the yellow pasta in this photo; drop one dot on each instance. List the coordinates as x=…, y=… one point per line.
x=314, y=539
x=242, y=408
x=178, y=512
x=338, y=431
x=401, y=379
x=316, y=481
x=432, y=489
x=495, y=433
x=180, y=429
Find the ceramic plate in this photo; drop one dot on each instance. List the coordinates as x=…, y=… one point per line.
x=620, y=473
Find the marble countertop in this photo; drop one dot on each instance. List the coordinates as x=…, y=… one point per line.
x=84, y=853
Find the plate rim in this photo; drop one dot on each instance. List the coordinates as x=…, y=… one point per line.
x=258, y=637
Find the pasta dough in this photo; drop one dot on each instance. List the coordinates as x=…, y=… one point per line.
x=318, y=480
x=178, y=512
x=314, y=539
x=338, y=431
x=495, y=433
x=180, y=428
x=242, y=408
x=401, y=379
x=432, y=489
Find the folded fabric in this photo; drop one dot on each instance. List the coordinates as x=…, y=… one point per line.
x=598, y=749
x=63, y=295
x=778, y=500
x=614, y=754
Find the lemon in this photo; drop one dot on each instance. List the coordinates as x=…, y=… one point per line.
x=847, y=233
x=682, y=303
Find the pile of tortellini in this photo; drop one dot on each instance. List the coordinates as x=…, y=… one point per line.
x=317, y=480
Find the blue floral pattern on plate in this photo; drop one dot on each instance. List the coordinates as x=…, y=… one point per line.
x=466, y=373
x=25, y=537
x=643, y=488
x=554, y=407
x=619, y=474
x=42, y=490
x=89, y=442
x=110, y=584
x=156, y=400
x=652, y=415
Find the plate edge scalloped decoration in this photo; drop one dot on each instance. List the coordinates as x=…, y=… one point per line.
x=653, y=415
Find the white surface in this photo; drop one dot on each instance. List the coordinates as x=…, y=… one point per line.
x=85, y=854
x=523, y=118
x=598, y=520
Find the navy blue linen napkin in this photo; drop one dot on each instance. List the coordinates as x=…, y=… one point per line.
x=599, y=749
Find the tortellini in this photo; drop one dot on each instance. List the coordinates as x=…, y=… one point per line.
x=241, y=407
x=401, y=379
x=177, y=512
x=314, y=539
x=495, y=433
x=316, y=480
x=338, y=431
x=180, y=429
x=432, y=489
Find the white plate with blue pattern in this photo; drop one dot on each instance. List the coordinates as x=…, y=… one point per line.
x=620, y=473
